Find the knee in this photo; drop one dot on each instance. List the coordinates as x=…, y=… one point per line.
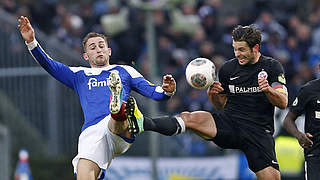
x=268, y=173
x=193, y=118
x=187, y=117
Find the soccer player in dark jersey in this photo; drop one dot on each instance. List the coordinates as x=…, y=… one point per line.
x=307, y=102
x=249, y=88
x=104, y=133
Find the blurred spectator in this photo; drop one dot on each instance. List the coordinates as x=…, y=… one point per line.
x=185, y=21
x=23, y=171
x=116, y=21
x=269, y=25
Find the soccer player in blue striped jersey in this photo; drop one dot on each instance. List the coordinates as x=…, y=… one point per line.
x=103, y=90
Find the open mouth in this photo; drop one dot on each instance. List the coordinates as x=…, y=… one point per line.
x=241, y=60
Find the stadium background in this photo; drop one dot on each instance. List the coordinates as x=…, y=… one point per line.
x=43, y=116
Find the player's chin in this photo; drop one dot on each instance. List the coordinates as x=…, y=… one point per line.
x=242, y=61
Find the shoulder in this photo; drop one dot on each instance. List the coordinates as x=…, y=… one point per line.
x=310, y=84
x=80, y=68
x=269, y=61
x=230, y=64
x=129, y=69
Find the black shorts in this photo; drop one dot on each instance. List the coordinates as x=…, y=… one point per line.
x=258, y=145
x=312, y=168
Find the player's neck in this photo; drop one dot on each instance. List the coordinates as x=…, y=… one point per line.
x=256, y=58
x=97, y=66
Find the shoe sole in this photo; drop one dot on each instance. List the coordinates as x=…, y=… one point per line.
x=129, y=110
x=115, y=86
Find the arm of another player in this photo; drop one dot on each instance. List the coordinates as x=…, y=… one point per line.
x=277, y=94
x=169, y=85
x=290, y=126
x=216, y=99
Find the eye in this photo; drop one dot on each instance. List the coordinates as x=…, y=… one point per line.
x=241, y=49
x=92, y=47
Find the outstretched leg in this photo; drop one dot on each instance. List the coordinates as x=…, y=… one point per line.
x=135, y=117
x=200, y=122
x=138, y=123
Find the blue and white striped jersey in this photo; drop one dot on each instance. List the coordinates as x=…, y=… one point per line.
x=91, y=84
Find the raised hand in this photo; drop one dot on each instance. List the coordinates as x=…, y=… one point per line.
x=215, y=88
x=264, y=84
x=169, y=84
x=26, y=30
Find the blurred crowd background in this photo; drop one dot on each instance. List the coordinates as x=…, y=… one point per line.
x=184, y=30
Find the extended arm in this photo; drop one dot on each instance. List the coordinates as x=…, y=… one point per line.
x=144, y=87
x=58, y=70
x=290, y=126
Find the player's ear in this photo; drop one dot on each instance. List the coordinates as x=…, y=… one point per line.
x=85, y=56
x=109, y=51
x=256, y=47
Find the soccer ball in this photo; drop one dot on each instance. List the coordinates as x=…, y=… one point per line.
x=200, y=73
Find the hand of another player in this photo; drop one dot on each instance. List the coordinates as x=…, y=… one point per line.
x=215, y=88
x=168, y=83
x=26, y=29
x=304, y=140
x=264, y=84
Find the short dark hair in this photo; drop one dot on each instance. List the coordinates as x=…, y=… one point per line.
x=91, y=35
x=250, y=34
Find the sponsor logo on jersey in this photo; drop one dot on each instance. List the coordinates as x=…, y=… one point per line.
x=233, y=78
x=93, y=82
x=317, y=114
x=263, y=74
x=274, y=162
x=236, y=89
x=295, y=102
x=282, y=79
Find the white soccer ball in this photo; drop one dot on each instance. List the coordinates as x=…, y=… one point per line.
x=201, y=73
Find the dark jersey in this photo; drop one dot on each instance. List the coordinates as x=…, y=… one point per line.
x=308, y=102
x=246, y=104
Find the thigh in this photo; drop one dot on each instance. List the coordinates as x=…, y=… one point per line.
x=312, y=168
x=227, y=134
x=87, y=170
x=119, y=144
x=201, y=123
x=259, y=148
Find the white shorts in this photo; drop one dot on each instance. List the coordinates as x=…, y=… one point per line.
x=98, y=144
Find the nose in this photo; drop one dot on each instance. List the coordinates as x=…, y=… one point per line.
x=99, y=49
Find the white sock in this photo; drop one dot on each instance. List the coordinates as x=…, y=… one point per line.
x=182, y=125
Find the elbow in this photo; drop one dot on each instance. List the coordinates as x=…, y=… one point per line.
x=283, y=104
x=283, y=101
